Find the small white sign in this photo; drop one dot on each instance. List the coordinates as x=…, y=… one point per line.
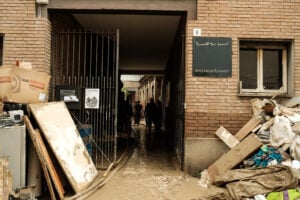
x=92, y=98
x=197, y=32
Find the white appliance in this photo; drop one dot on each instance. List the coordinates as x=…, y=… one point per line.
x=13, y=144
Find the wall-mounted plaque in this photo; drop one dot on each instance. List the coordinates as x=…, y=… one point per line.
x=212, y=56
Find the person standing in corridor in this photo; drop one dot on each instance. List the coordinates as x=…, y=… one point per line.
x=137, y=114
x=158, y=116
x=150, y=112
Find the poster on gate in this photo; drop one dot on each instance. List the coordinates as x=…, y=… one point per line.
x=92, y=98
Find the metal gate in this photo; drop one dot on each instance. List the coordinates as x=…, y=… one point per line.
x=86, y=59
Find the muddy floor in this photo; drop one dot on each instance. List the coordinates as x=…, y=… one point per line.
x=151, y=173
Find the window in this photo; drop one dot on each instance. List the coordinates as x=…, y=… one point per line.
x=1, y=50
x=264, y=66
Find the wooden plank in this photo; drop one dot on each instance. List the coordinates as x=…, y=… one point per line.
x=65, y=142
x=41, y=157
x=227, y=137
x=234, y=156
x=50, y=166
x=247, y=128
x=2, y=196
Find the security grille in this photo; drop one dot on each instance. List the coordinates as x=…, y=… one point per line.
x=89, y=60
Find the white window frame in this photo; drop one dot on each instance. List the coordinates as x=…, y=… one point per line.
x=260, y=88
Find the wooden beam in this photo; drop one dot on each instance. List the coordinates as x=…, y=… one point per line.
x=234, y=156
x=247, y=128
x=46, y=162
x=53, y=173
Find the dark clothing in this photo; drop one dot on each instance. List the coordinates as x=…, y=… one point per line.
x=158, y=116
x=150, y=112
x=138, y=109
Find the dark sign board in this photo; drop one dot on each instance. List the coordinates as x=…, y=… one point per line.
x=71, y=95
x=212, y=56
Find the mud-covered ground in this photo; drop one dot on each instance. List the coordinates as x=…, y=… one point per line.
x=151, y=173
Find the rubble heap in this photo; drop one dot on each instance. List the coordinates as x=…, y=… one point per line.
x=263, y=160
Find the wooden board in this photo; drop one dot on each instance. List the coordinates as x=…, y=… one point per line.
x=50, y=166
x=41, y=157
x=227, y=137
x=5, y=185
x=63, y=137
x=247, y=128
x=234, y=156
x=2, y=196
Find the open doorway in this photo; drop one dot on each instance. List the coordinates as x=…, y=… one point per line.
x=103, y=46
x=138, y=91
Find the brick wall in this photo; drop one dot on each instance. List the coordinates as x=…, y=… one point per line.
x=26, y=37
x=214, y=102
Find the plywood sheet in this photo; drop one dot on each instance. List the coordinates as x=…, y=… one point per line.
x=63, y=137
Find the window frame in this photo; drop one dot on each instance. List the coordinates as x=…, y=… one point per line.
x=260, y=46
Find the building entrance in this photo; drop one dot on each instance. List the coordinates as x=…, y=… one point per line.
x=89, y=52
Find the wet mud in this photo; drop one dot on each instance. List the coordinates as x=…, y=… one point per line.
x=151, y=173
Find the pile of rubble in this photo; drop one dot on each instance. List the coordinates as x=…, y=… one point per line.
x=64, y=160
x=263, y=160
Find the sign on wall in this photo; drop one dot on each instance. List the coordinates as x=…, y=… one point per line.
x=212, y=56
x=92, y=98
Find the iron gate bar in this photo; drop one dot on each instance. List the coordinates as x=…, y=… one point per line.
x=79, y=55
x=116, y=81
x=62, y=56
x=91, y=50
x=68, y=48
x=73, y=57
x=96, y=67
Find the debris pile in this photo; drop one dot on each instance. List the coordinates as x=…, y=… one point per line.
x=263, y=160
x=61, y=133
x=64, y=159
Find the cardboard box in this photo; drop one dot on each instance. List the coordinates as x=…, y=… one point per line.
x=28, y=86
x=5, y=79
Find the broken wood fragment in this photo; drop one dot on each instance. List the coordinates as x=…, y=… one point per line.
x=227, y=137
